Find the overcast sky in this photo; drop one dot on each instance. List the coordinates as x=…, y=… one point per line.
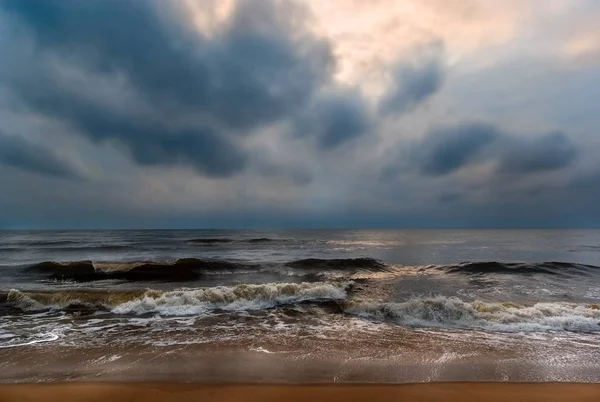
x=314, y=113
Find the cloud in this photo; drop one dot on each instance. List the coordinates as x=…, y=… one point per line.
x=414, y=82
x=20, y=153
x=339, y=115
x=147, y=140
x=334, y=119
x=176, y=119
x=201, y=148
x=371, y=35
x=446, y=150
x=548, y=152
x=254, y=70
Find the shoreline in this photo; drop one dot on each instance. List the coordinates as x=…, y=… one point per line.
x=329, y=361
x=208, y=392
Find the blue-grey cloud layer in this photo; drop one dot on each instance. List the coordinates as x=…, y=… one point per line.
x=446, y=150
x=20, y=153
x=335, y=119
x=243, y=77
x=135, y=74
x=549, y=152
x=254, y=71
x=413, y=83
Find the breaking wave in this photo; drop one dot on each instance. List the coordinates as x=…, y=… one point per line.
x=331, y=297
x=451, y=312
x=232, y=298
x=183, y=301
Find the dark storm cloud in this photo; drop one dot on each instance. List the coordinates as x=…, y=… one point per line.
x=22, y=154
x=251, y=72
x=413, y=84
x=255, y=70
x=203, y=149
x=552, y=151
x=259, y=67
x=444, y=151
x=148, y=142
x=335, y=119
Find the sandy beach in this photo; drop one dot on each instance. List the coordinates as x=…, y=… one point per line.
x=426, y=392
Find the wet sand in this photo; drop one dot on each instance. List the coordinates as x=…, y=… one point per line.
x=426, y=392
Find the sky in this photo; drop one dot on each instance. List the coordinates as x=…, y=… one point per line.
x=307, y=113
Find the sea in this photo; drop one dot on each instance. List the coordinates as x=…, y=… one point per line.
x=300, y=306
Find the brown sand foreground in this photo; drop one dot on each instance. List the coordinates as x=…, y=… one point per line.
x=427, y=392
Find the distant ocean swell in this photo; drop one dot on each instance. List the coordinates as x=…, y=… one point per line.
x=216, y=241
x=335, y=297
x=189, y=269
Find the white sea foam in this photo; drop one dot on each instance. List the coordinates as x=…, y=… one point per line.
x=392, y=271
x=232, y=298
x=448, y=312
x=260, y=349
x=105, y=359
x=40, y=338
x=23, y=301
x=452, y=312
x=6, y=335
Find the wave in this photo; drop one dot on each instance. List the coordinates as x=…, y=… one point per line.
x=311, y=269
x=261, y=240
x=183, y=269
x=83, y=301
x=211, y=241
x=78, y=248
x=338, y=264
x=451, y=312
x=225, y=240
x=10, y=249
x=494, y=267
x=583, y=247
x=102, y=247
x=48, y=243
x=181, y=302
x=188, y=269
x=436, y=312
x=233, y=298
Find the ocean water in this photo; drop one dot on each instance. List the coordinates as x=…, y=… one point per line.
x=300, y=305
